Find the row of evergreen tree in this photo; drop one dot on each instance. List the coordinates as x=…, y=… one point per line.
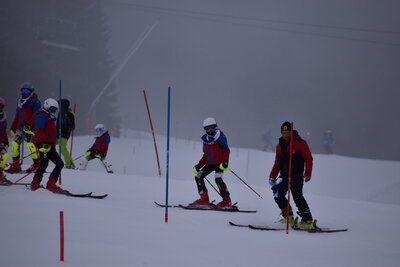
x=50, y=40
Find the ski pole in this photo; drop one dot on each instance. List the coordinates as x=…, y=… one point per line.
x=17, y=160
x=213, y=186
x=79, y=157
x=23, y=177
x=237, y=176
x=289, y=178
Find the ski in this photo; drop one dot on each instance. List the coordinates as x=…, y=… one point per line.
x=212, y=207
x=257, y=227
x=272, y=228
x=9, y=184
x=86, y=195
x=98, y=196
x=163, y=205
x=321, y=230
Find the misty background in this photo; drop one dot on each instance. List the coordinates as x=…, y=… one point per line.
x=325, y=65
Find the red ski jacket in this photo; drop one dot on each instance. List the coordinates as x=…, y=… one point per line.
x=45, y=129
x=25, y=111
x=215, y=149
x=3, y=130
x=301, y=155
x=101, y=144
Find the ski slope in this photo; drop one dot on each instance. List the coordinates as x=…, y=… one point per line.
x=127, y=229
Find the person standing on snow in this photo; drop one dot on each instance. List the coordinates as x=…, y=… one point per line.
x=99, y=149
x=215, y=158
x=301, y=157
x=21, y=128
x=67, y=125
x=45, y=140
x=3, y=142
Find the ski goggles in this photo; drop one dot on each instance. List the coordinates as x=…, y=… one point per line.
x=53, y=109
x=210, y=128
x=25, y=91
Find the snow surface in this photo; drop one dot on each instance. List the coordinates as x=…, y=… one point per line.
x=127, y=229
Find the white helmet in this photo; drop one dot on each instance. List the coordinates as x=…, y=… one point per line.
x=100, y=129
x=209, y=121
x=50, y=105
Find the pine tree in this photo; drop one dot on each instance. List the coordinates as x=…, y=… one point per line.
x=50, y=40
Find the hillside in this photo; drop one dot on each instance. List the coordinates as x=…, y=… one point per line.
x=127, y=229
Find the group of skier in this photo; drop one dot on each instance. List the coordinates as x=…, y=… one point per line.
x=38, y=126
x=216, y=158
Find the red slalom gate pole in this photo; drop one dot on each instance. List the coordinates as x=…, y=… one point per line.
x=61, y=236
x=289, y=177
x=26, y=175
x=152, y=131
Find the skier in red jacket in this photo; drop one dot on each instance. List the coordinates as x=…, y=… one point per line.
x=3, y=142
x=45, y=140
x=22, y=127
x=215, y=158
x=99, y=149
x=301, y=157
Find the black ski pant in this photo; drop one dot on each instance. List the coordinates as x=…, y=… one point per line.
x=206, y=170
x=44, y=162
x=296, y=188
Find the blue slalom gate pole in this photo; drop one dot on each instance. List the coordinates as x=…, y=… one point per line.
x=167, y=169
x=59, y=120
x=59, y=115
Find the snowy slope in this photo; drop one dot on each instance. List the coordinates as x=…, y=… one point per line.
x=127, y=229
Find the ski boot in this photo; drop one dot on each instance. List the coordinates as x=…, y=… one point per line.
x=51, y=186
x=306, y=225
x=202, y=201
x=15, y=167
x=71, y=166
x=225, y=203
x=35, y=184
x=83, y=164
x=34, y=166
x=3, y=179
x=291, y=220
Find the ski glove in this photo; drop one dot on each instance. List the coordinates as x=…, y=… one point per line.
x=88, y=153
x=196, y=169
x=28, y=130
x=223, y=166
x=98, y=155
x=45, y=148
x=275, y=185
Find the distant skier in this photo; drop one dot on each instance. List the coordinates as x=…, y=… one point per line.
x=3, y=142
x=45, y=140
x=328, y=141
x=21, y=128
x=301, y=157
x=269, y=141
x=99, y=149
x=67, y=126
x=215, y=158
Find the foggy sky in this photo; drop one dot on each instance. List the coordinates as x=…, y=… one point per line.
x=255, y=64
x=325, y=65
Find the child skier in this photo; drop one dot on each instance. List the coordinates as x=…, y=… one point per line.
x=215, y=158
x=98, y=149
x=21, y=127
x=67, y=126
x=3, y=142
x=45, y=140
